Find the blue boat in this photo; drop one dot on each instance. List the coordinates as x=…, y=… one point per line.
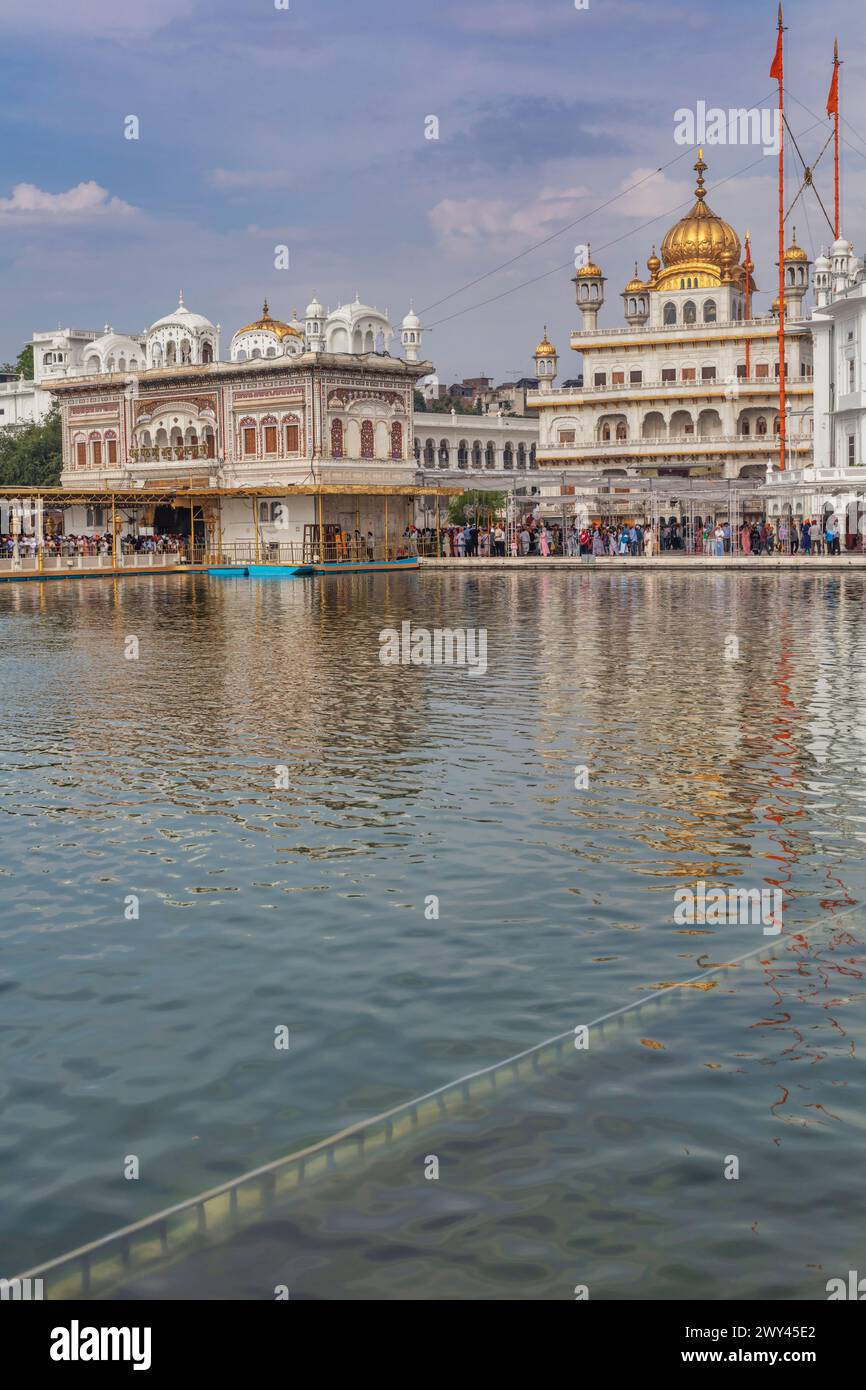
x=276, y=571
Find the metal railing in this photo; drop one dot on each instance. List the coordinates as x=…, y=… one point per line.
x=71, y=563
x=240, y=554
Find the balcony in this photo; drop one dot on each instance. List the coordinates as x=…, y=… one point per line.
x=759, y=445
x=668, y=390
x=673, y=332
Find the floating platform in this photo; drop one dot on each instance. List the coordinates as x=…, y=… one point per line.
x=274, y=571
x=408, y=562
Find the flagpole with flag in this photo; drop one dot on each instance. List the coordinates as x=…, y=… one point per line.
x=776, y=71
x=833, y=110
x=748, y=266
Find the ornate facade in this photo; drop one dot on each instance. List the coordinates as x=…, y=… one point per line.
x=688, y=388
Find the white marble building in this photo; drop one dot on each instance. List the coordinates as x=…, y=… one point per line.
x=689, y=387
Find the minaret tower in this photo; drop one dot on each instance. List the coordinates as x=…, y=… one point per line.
x=411, y=335
x=797, y=265
x=589, y=292
x=635, y=298
x=545, y=363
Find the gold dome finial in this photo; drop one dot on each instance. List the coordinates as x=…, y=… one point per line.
x=700, y=191
x=545, y=347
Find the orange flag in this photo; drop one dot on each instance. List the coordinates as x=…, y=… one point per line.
x=833, y=98
x=776, y=69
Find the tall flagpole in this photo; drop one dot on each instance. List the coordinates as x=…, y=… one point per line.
x=748, y=266
x=782, y=420
x=833, y=110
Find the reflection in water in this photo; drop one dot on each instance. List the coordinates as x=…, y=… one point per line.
x=305, y=907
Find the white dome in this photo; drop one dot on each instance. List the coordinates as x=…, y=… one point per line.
x=822, y=262
x=110, y=348
x=842, y=247
x=315, y=310
x=411, y=320
x=183, y=318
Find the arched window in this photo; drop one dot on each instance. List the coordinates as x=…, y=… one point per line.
x=207, y=352
x=690, y=313
x=366, y=439
x=490, y=455
x=396, y=440
x=621, y=431
x=777, y=429
x=521, y=455
x=508, y=455
x=761, y=427
x=270, y=433
x=476, y=454
x=670, y=313
x=532, y=455
x=746, y=427
x=709, y=311
x=336, y=439
x=429, y=453
x=462, y=454
x=605, y=433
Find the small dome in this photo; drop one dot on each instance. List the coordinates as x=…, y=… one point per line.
x=268, y=325
x=590, y=270
x=653, y=264
x=545, y=347
x=314, y=309
x=411, y=320
x=182, y=318
x=635, y=285
x=795, y=252
x=823, y=261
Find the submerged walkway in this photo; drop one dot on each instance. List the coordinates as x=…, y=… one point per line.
x=670, y=561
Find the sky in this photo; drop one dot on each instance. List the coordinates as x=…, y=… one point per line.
x=305, y=124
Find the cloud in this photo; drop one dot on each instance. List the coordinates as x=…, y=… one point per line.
x=101, y=19
x=240, y=179
x=83, y=203
x=465, y=224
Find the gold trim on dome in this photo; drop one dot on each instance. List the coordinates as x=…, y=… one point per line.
x=267, y=324
x=545, y=347
x=636, y=285
x=795, y=252
x=701, y=242
x=589, y=270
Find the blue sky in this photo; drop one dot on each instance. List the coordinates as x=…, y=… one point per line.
x=306, y=127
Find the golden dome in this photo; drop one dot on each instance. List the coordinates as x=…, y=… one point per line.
x=795, y=252
x=588, y=271
x=653, y=264
x=636, y=285
x=269, y=325
x=700, y=236
x=545, y=348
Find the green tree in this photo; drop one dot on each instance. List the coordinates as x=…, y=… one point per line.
x=420, y=403
x=32, y=455
x=475, y=505
x=24, y=362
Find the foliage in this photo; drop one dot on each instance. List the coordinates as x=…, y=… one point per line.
x=475, y=505
x=32, y=455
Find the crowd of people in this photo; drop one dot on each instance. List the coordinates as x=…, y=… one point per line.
x=91, y=546
x=532, y=536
